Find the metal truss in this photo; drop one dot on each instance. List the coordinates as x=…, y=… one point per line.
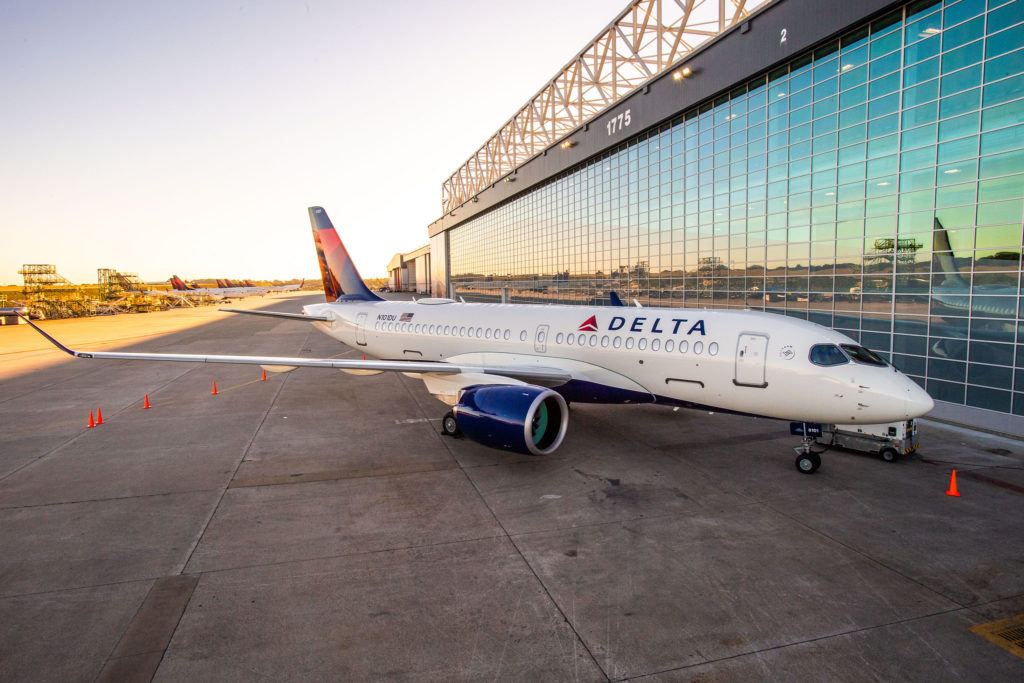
x=648, y=38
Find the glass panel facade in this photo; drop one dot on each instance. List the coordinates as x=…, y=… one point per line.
x=875, y=186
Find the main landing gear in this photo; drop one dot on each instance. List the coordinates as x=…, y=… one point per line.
x=449, y=425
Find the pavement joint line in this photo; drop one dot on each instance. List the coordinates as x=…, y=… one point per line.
x=141, y=496
x=873, y=560
x=797, y=643
x=540, y=582
x=69, y=589
x=627, y=520
x=359, y=553
x=572, y=626
x=245, y=451
x=318, y=477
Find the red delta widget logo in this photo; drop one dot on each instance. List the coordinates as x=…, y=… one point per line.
x=644, y=324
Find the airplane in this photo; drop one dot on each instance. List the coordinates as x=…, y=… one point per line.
x=510, y=371
x=219, y=292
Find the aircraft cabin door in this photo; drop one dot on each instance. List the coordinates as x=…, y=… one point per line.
x=361, y=329
x=540, y=340
x=750, y=360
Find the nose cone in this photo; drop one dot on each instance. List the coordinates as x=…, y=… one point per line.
x=918, y=401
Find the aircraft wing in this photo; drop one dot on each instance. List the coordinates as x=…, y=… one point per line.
x=279, y=314
x=411, y=367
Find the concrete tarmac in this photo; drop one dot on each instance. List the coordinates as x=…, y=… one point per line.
x=316, y=527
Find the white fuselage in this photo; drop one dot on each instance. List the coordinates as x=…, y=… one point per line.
x=740, y=361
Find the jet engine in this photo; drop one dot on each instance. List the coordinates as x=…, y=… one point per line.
x=525, y=419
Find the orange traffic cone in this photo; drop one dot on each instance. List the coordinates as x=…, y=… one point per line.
x=264, y=375
x=99, y=416
x=952, y=485
x=91, y=423
x=146, y=404
x=214, y=392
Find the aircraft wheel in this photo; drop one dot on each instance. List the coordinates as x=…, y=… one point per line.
x=449, y=425
x=808, y=463
x=888, y=454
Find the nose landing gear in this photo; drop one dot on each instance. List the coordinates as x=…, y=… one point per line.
x=807, y=460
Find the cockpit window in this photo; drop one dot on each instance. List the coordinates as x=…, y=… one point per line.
x=827, y=354
x=861, y=355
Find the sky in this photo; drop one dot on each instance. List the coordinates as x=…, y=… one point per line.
x=188, y=137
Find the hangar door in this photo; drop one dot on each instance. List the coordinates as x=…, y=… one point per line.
x=750, y=360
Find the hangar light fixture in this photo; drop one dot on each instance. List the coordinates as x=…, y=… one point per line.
x=682, y=73
x=567, y=144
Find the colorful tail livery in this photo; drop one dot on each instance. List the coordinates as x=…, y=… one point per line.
x=341, y=279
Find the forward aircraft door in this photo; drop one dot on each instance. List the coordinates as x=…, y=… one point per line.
x=361, y=329
x=750, y=360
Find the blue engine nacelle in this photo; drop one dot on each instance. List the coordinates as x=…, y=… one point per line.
x=525, y=419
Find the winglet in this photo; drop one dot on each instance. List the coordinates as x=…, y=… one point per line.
x=341, y=279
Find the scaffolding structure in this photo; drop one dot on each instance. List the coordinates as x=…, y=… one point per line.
x=648, y=38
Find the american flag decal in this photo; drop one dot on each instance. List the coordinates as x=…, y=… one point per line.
x=406, y=317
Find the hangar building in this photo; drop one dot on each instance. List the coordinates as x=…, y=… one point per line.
x=856, y=164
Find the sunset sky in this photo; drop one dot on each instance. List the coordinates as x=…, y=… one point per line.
x=189, y=137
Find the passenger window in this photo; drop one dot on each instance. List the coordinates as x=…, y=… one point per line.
x=462, y=331
x=522, y=335
x=698, y=347
x=604, y=341
x=617, y=342
x=581, y=340
x=570, y=339
x=642, y=344
x=629, y=342
x=593, y=340
x=497, y=333
x=479, y=332
x=508, y=334
x=827, y=355
x=713, y=348
x=683, y=346
x=447, y=329
x=559, y=338
x=656, y=345
x=669, y=345
x=376, y=325
x=862, y=355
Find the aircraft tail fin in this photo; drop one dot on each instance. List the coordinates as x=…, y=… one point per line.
x=614, y=298
x=945, y=256
x=177, y=284
x=341, y=279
